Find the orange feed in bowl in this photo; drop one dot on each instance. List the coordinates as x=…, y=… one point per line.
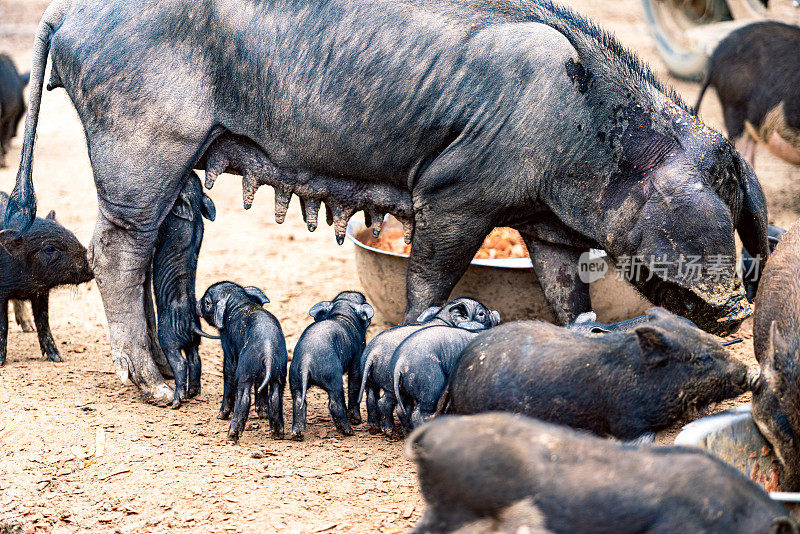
x=501, y=243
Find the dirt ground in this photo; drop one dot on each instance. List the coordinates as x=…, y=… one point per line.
x=82, y=452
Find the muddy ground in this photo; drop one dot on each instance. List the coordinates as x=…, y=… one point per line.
x=79, y=451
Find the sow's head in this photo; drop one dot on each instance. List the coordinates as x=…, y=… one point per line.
x=672, y=234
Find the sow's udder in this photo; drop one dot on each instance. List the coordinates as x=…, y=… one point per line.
x=342, y=197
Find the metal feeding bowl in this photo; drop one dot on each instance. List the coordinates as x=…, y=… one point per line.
x=507, y=285
x=733, y=437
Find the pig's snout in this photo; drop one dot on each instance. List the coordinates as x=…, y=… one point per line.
x=752, y=378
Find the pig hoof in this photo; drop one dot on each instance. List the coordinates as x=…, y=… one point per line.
x=160, y=395
x=27, y=327
x=176, y=403
x=374, y=430
x=355, y=418
x=54, y=357
x=297, y=436
x=345, y=430
x=276, y=434
x=233, y=437
x=262, y=413
x=193, y=392
x=223, y=415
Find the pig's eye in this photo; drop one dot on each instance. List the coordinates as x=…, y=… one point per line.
x=50, y=250
x=481, y=315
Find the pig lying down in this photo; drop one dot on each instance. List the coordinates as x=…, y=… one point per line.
x=254, y=352
x=31, y=264
x=426, y=110
x=328, y=348
x=776, y=341
x=625, y=384
x=504, y=473
x=756, y=72
x=377, y=367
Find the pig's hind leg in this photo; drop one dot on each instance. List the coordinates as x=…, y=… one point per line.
x=179, y=371
x=229, y=365
x=23, y=315
x=195, y=370
x=3, y=330
x=386, y=406
x=276, y=409
x=40, y=304
x=241, y=409
x=426, y=396
x=373, y=418
x=353, y=389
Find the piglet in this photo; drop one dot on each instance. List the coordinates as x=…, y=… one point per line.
x=422, y=365
x=756, y=72
x=12, y=103
x=502, y=473
x=254, y=354
x=377, y=371
x=31, y=264
x=627, y=385
x=776, y=342
x=174, y=274
x=327, y=349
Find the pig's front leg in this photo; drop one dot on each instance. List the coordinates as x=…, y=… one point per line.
x=556, y=266
x=3, y=330
x=41, y=305
x=23, y=316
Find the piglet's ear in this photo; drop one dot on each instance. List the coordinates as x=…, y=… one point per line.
x=654, y=344
x=428, y=314
x=320, y=309
x=219, y=312
x=208, y=209
x=585, y=317
x=495, y=316
x=52, y=215
x=366, y=312
x=256, y=294
x=183, y=208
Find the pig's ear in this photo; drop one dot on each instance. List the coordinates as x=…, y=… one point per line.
x=183, y=208
x=777, y=350
x=752, y=225
x=219, y=312
x=208, y=209
x=495, y=317
x=783, y=525
x=320, y=310
x=366, y=312
x=585, y=317
x=459, y=311
x=256, y=294
x=52, y=215
x=654, y=344
x=428, y=314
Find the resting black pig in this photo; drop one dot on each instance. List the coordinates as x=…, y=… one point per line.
x=756, y=72
x=377, y=371
x=751, y=267
x=174, y=274
x=254, y=354
x=330, y=347
x=776, y=341
x=33, y=263
x=12, y=103
x=627, y=385
x=505, y=473
x=422, y=364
